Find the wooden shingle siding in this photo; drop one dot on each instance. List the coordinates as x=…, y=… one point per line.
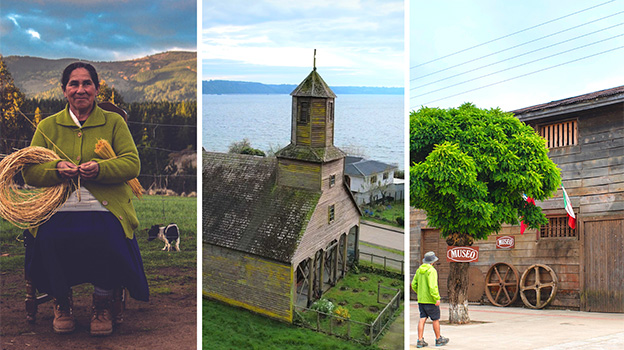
x=247, y=281
x=299, y=174
x=319, y=232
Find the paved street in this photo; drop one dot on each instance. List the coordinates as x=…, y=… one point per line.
x=521, y=328
x=382, y=235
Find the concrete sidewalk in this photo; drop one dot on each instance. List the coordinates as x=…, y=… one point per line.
x=520, y=328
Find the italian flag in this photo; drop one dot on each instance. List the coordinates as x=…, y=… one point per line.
x=568, y=208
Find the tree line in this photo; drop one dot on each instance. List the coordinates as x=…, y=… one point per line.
x=163, y=131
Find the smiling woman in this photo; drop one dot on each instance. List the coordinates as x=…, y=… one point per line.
x=90, y=239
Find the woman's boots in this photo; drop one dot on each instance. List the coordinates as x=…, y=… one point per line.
x=64, y=315
x=101, y=316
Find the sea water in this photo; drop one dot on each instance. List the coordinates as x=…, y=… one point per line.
x=365, y=125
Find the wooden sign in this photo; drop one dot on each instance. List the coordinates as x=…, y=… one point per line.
x=505, y=242
x=462, y=254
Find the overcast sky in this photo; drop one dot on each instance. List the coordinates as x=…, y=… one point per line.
x=358, y=42
x=441, y=28
x=100, y=30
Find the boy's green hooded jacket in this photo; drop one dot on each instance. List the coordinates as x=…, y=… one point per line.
x=425, y=284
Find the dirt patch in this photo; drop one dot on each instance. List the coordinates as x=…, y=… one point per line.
x=167, y=321
x=343, y=288
x=355, y=290
x=358, y=306
x=343, y=303
x=373, y=309
x=386, y=296
x=363, y=279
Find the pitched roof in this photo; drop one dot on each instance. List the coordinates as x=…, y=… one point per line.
x=606, y=96
x=244, y=210
x=313, y=86
x=356, y=166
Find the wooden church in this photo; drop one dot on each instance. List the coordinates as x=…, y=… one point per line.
x=278, y=232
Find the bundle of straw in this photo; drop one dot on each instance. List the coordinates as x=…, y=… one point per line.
x=104, y=150
x=27, y=208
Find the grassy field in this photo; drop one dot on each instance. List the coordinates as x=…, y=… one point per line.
x=384, y=214
x=227, y=327
x=151, y=210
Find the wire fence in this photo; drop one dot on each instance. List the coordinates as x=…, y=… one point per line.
x=346, y=328
x=383, y=262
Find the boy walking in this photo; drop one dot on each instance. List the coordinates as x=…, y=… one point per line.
x=425, y=284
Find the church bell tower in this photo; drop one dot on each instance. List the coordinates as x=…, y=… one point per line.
x=311, y=145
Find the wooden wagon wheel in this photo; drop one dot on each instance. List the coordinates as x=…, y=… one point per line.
x=501, y=284
x=538, y=279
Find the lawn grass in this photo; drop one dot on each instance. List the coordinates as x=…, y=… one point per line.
x=358, y=294
x=384, y=214
x=226, y=327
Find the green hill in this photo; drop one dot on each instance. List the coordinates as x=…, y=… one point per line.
x=167, y=76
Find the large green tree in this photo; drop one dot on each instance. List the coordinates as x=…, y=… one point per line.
x=470, y=168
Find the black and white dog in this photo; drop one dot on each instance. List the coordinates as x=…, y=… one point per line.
x=167, y=234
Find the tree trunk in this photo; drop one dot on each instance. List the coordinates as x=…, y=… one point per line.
x=458, y=282
x=458, y=292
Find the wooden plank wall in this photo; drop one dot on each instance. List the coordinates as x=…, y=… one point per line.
x=593, y=170
x=318, y=118
x=603, y=289
x=247, y=281
x=562, y=255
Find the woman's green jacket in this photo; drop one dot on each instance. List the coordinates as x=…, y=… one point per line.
x=77, y=145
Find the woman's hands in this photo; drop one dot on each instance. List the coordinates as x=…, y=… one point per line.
x=89, y=170
x=68, y=170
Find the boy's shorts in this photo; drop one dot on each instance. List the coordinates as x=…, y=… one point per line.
x=429, y=310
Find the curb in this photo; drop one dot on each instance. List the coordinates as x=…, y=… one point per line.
x=385, y=227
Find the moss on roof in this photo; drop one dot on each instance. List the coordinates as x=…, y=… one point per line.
x=318, y=154
x=244, y=210
x=313, y=86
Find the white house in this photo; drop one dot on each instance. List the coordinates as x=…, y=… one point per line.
x=371, y=180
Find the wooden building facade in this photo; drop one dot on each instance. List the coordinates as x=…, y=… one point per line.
x=585, y=136
x=278, y=232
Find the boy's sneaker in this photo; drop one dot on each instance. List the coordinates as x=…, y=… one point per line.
x=421, y=343
x=442, y=341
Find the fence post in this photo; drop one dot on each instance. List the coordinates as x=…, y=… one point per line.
x=318, y=321
x=348, y=329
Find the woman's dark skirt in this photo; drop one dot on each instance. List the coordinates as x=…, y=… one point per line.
x=84, y=247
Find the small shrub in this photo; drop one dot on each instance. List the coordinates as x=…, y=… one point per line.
x=323, y=305
x=400, y=220
x=342, y=312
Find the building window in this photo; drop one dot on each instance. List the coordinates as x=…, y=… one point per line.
x=373, y=179
x=332, y=180
x=557, y=227
x=385, y=176
x=560, y=134
x=331, y=213
x=331, y=111
x=304, y=112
